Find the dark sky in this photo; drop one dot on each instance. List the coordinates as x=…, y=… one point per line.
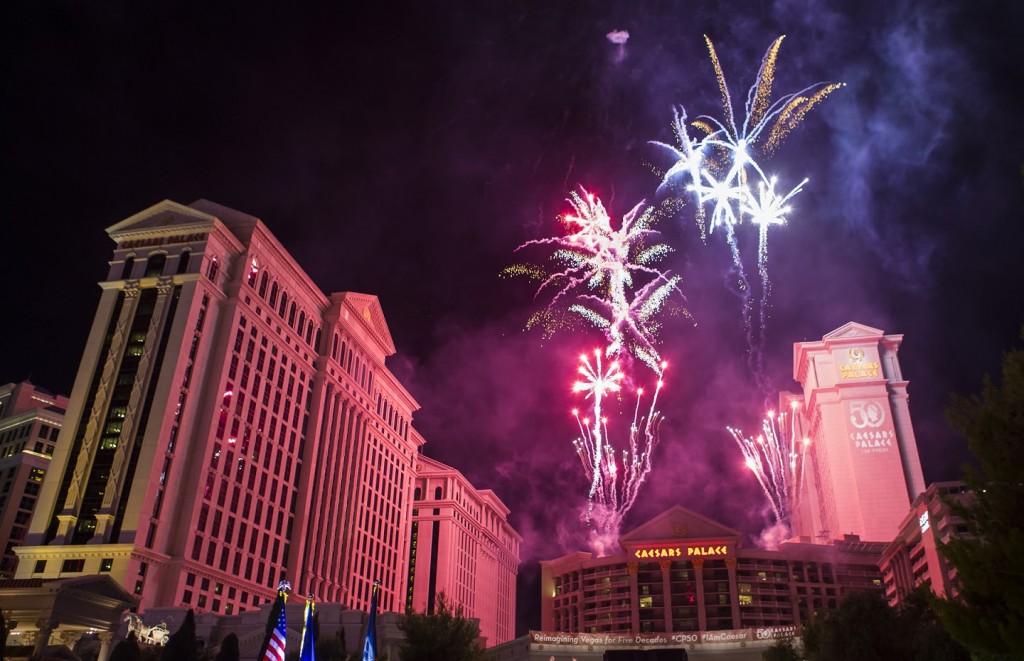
x=406, y=150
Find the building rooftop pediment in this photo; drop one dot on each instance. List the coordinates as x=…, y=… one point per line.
x=851, y=330
x=162, y=218
x=367, y=308
x=678, y=524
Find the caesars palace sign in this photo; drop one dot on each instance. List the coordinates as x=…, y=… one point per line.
x=681, y=551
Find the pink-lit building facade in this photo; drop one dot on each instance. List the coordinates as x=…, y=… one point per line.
x=862, y=467
x=230, y=425
x=682, y=573
x=462, y=545
x=30, y=421
x=914, y=559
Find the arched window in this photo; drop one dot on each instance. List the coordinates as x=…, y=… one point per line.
x=214, y=269
x=418, y=494
x=437, y=493
x=284, y=304
x=126, y=270
x=334, y=347
x=273, y=293
x=291, y=315
x=264, y=279
x=183, y=261
x=318, y=339
x=302, y=323
x=155, y=265
x=309, y=333
x=254, y=271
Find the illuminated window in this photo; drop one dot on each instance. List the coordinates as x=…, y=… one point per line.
x=646, y=602
x=746, y=600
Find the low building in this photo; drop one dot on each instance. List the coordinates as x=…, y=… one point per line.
x=684, y=581
x=914, y=558
x=30, y=421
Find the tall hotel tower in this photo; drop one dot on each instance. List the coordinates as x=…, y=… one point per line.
x=863, y=468
x=230, y=425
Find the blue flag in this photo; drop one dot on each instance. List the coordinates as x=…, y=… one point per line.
x=307, y=651
x=370, y=647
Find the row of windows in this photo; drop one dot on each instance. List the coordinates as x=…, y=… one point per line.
x=154, y=266
x=278, y=300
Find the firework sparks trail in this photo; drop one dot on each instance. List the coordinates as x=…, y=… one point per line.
x=776, y=457
x=597, y=383
x=721, y=168
x=765, y=210
x=616, y=478
x=609, y=277
x=602, y=270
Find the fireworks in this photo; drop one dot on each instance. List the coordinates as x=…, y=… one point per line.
x=609, y=275
x=615, y=477
x=720, y=169
x=609, y=278
x=776, y=457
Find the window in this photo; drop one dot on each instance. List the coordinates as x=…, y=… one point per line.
x=183, y=261
x=213, y=269
x=155, y=265
x=40, y=567
x=106, y=564
x=126, y=270
x=72, y=565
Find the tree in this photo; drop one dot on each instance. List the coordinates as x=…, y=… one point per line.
x=182, y=644
x=228, y=648
x=865, y=627
x=446, y=635
x=987, y=613
x=126, y=650
x=782, y=649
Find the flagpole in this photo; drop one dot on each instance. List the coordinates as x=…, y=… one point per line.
x=370, y=646
x=307, y=652
x=276, y=639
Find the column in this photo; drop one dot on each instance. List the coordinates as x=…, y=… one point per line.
x=698, y=577
x=734, y=598
x=104, y=653
x=634, y=595
x=45, y=628
x=666, y=589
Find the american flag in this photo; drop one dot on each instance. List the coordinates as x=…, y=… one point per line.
x=278, y=637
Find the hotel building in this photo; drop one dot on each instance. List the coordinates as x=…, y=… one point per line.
x=683, y=572
x=30, y=420
x=463, y=545
x=685, y=581
x=230, y=425
x=913, y=558
x=863, y=468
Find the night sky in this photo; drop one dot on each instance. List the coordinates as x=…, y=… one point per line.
x=406, y=149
